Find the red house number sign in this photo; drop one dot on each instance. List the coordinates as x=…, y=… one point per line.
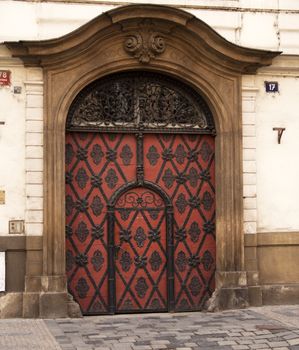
x=4, y=77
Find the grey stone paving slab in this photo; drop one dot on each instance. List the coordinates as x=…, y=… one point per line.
x=22, y=334
x=255, y=328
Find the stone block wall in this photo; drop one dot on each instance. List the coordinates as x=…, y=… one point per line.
x=34, y=152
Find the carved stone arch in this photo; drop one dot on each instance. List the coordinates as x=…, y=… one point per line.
x=157, y=39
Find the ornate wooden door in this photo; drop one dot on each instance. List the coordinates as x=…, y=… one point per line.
x=183, y=166
x=140, y=196
x=140, y=252
x=96, y=165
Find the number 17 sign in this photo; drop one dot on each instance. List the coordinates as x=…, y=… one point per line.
x=4, y=77
x=271, y=86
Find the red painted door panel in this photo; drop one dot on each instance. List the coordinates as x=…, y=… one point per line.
x=183, y=166
x=179, y=167
x=96, y=166
x=141, y=256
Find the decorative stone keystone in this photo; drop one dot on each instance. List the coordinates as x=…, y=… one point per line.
x=145, y=44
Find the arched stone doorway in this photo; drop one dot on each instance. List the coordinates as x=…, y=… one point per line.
x=156, y=39
x=140, y=196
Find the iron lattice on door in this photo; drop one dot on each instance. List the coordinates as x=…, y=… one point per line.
x=140, y=221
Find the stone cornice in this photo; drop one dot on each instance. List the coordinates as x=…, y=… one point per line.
x=222, y=5
x=284, y=65
x=260, y=239
x=118, y=22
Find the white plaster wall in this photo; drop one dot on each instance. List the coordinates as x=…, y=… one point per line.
x=260, y=30
x=278, y=164
x=267, y=24
x=12, y=147
x=226, y=23
x=2, y=271
x=21, y=147
x=271, y=170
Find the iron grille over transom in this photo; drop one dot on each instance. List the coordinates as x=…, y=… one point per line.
x=140, y=101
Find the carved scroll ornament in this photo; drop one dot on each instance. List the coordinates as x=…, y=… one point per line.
x=145, y=45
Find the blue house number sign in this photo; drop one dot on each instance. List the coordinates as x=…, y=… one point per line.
x=271, y=86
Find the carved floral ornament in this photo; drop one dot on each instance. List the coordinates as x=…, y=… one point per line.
x=145, y=44
x=143, y=47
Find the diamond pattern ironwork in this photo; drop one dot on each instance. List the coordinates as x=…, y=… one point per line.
x=126, y=155
x=182, y=166
x=95, y=157
x=82, y=231
x=81, y=178
x=186, y=172
x=97, y=154
x=141, y=272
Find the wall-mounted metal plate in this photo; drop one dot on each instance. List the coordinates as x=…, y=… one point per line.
x=17, y=89
x=5, y=77
x=2, y=197
x=271, y=86
x=16, y=226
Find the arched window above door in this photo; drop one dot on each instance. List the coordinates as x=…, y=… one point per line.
x=140, y=101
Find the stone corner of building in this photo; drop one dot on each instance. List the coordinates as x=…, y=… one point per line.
x=11, y=304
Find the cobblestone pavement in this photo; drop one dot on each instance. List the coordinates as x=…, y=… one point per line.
x=254, y=328
x=20, y=334
x=275, y=327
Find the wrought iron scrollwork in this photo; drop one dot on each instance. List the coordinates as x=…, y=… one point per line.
x=97, y=154
x=97, y=260
x=153, y=155
x=134, y=200
x=82, y=288
x=81, y=178
x=195, y=286
x=140, y=237
x=181, y=261
x=82, y=232
x=155, y=261
x=126, y=261
x=140, y=101
x=141, y=287
x=97, y=206
x=97, y=232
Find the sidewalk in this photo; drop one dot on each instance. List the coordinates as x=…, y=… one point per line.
x=23, y=334
x=269, y=327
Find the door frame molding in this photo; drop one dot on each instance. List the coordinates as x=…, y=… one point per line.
x=160, y=39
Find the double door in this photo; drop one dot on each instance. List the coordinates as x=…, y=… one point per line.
x=140, y=221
